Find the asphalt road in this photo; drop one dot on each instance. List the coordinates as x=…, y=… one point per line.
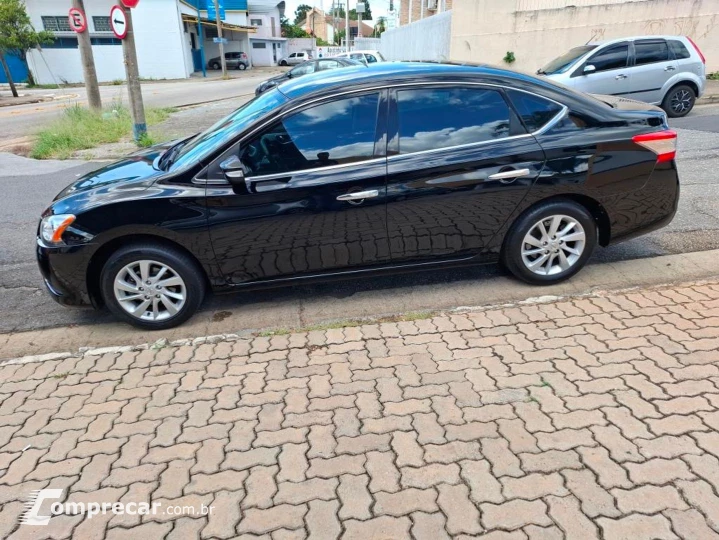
x=28, y=187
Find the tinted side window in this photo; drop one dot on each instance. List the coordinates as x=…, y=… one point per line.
x=303, y=69
x=648, y=52
x=679, y=50
x=535, y=111
x=610, y=58
x=334, y=133
x=370, y=58
x=441, y=117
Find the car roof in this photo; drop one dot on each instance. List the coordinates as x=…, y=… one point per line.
x=357, y=77
x=633, y=38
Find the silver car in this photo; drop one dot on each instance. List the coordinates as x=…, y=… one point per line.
x=295, y=58
x=669, y=71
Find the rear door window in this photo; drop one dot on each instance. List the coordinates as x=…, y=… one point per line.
x=535, y=111
x=650, y=52
x=432, y=118
x=678, y=49
x=614, y=57
x=322, y=65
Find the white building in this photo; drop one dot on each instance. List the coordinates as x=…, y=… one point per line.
x=167, y=36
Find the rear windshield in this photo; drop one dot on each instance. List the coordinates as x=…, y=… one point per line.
x=564, y=62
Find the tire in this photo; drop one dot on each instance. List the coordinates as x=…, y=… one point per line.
x=241, y=66
x=679, y=101
x=184, y=296
x=517, y=254
x=283, y=63
x=214, y=66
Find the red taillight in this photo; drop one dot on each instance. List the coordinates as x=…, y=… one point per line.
x=704, y=60
x=662, y=143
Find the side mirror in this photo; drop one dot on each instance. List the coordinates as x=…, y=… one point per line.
x=589, y=68
x=233, y=170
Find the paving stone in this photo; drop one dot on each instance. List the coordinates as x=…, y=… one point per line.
x=637, y=526
x=462, y=515
x=380, y=527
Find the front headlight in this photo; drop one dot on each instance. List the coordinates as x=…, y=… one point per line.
x=53, y=227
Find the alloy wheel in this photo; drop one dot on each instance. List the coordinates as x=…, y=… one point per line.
x=150, y=290
x=553, y=245
x=681, y=101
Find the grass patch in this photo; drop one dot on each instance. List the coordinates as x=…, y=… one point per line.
x=713, y=76
x=79, y=129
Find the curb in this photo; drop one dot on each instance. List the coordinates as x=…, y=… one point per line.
x=249, y=334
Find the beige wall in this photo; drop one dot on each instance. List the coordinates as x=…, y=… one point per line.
x=539, y=30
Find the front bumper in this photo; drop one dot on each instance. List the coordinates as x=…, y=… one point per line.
x=65, y=273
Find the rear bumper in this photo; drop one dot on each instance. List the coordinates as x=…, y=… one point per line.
x=648, y=209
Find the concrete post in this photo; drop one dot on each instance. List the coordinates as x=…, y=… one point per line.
x=219, y=34
x=134, y=89
x=88, y=63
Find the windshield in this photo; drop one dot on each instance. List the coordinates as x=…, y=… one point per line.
x=564, y=62
x=228, y=128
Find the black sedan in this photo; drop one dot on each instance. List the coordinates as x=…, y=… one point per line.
x=362, y=170
x=306, y=68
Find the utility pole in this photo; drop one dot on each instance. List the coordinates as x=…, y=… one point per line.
x=88, y=63
x=134, y=89
x=347, y=25
x=219, y=35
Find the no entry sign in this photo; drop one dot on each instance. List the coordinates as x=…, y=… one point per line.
x=130, y=3
x=78, y=21
x=118, y=22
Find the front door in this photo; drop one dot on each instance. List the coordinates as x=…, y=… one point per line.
x=611, y=74
x=459, y=162
x=315, y=194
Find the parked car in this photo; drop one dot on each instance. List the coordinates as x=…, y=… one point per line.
x=360, y=171
x=663, y=70
x=295, y=58
x=234, y=60
x=366, y=57
x=306, y=68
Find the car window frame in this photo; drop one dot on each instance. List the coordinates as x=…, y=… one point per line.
x=393, y=121
x=378, y=152
x=670, y=53
x=588, y=61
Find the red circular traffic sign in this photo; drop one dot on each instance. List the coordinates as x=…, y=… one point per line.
x=78, y=21
x=118, y=22
x=130, y=3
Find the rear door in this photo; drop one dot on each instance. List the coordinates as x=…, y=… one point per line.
x=611, y=74
x=653, y=67
x=459, y=163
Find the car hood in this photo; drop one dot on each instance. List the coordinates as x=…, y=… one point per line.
x=137, y=167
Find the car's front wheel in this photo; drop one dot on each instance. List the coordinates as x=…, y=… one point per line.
x=550, y=243
x=283, y=62
x=152, y=286
x=679, y=101
x=215, y=66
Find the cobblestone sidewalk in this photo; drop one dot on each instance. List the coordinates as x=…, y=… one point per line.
x=595, y=417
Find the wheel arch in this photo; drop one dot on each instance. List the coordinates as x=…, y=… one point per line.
x=103, y=253
x=684, y=82
x=593, y=206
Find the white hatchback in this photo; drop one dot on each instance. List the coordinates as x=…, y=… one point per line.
x=366, y=57
x=295, y=58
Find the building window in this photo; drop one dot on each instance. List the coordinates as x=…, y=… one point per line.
x=259, y=45
x=57, y=24
x=62, y=43
x=102, y=24
x=256, y=22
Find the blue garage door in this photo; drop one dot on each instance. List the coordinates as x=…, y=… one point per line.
x=18, y=69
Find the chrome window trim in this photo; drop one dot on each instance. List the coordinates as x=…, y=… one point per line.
x=560, y=115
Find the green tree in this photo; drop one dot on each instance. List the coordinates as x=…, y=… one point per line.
x=17, y=35
x=380, y=27
x=301, y=13
x=290, y=30
x=339, y=36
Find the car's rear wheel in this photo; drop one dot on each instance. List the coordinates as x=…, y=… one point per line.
x=550, y=243
x=679, y=101
x=152, y=286
x=241, y=66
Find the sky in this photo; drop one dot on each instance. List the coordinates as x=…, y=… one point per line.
x=379, y=7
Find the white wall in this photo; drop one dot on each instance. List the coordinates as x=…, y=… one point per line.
x=65, y=65
x=300, y=45
x=159, y=37
x=426, y=39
